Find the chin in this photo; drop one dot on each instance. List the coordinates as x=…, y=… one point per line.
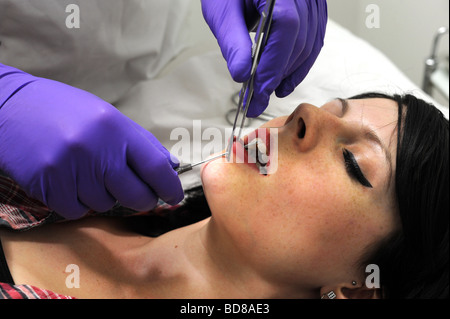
x=213, y=175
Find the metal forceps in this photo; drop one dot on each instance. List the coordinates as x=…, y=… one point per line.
x=247, y=90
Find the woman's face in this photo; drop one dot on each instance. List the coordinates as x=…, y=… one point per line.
x=330, y=198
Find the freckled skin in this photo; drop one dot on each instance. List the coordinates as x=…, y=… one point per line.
x=310, y=217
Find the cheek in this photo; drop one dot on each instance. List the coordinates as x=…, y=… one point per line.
x=344, y=226
x=319, y=207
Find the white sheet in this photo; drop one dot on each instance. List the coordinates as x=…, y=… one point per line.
x=197, y=86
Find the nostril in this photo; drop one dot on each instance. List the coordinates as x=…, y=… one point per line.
x=302, y=128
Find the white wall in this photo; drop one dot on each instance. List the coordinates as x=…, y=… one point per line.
x=406, y=28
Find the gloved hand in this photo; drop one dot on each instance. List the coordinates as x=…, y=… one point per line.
x=75, y=152
x=294, y=43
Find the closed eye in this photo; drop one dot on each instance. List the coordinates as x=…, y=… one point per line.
x=353, y=169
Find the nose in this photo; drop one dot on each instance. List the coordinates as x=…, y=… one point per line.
x=311, y=125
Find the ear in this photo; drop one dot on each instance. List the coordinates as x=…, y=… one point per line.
x=348, y=291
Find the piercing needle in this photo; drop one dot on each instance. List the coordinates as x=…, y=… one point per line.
x=188, y=167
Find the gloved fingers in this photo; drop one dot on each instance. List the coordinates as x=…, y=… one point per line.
x=290, y=83
x=173, y=160
x=230, y=29
x=301, y=63
x=129, y=190
x=303, y=43
x=62, y=197
x=276, y=56
x=93, y=193
x=155, y=170
x=315, y=32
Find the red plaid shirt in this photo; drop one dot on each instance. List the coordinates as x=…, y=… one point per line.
x=20, y=212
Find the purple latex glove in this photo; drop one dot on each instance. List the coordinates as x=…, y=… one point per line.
x=75, y=152
x=295, y=41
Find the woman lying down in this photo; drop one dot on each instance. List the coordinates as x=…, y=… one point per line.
x=362, y=181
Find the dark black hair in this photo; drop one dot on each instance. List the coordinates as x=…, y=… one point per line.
x=414, y=261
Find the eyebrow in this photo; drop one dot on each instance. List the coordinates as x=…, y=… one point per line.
x=370, y=135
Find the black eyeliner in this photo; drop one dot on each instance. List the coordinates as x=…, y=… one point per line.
x=353, y=168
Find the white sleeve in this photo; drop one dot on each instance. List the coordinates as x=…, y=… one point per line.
x=117, y=44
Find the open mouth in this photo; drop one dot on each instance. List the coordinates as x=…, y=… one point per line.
x=258, y=151
x=257, y=147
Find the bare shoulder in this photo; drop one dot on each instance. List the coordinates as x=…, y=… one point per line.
x=45, y=257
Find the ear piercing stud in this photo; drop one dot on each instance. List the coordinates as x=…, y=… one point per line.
x=329, y=295
x=332, y=294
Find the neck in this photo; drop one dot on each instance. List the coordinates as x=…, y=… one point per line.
x=198, y=261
